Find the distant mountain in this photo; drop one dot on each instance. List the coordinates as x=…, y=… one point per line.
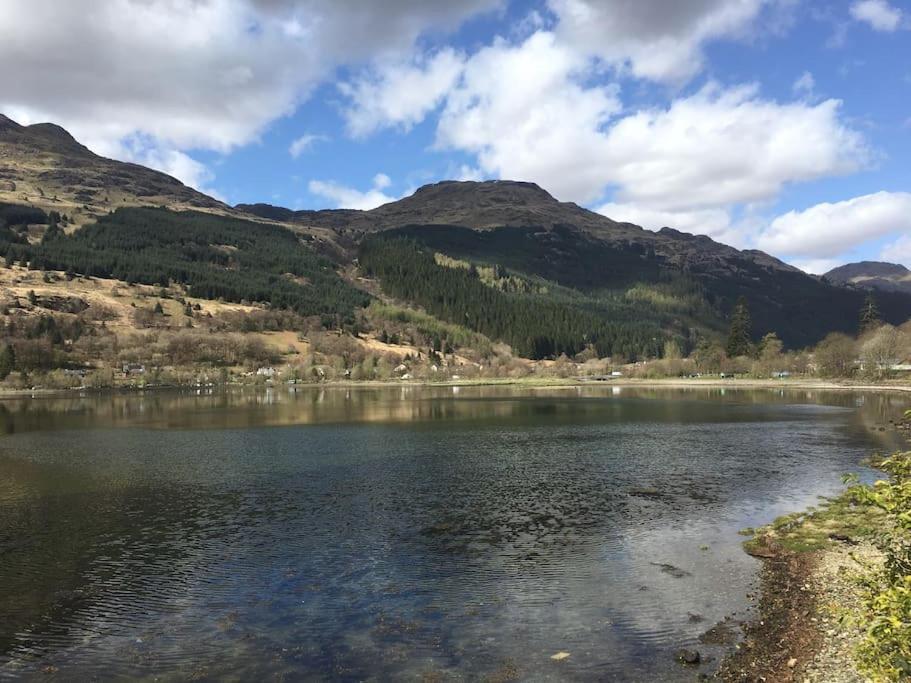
x=521, y=228
x=502, y=258
x=43, y=165
x=888, y=277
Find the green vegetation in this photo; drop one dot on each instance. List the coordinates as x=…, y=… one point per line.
x=446, y=334
x=881, y=514
x=213, y=256
x=885, y=652
x=870, y=317
x=536, y=326
x=740, y=341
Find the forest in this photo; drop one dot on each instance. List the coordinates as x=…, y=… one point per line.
x=535, y=325
x=213, y=256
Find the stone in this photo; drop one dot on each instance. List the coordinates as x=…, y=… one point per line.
x=688, y=656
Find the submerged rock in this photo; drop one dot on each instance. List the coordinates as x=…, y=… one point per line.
x=686, y=656
x=676, y=572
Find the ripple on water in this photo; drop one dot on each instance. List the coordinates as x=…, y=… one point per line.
x=464, y=544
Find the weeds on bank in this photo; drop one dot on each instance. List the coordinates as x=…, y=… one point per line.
x=880, y=512
x=884, y=653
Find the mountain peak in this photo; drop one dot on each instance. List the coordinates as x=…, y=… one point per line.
x=876, y=275
x=503, y=190
x=43, y=165
x=7, y=122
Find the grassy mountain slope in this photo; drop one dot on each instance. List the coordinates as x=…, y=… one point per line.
x=502, y=258
x=873, y=275
x=43, y=165
x=520, y=227
x=213, y=256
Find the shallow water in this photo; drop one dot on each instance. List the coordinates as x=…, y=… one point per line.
x=399, y=533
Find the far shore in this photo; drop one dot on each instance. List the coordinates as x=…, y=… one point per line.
x=523, y=382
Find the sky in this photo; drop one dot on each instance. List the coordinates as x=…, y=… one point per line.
x=780, y=125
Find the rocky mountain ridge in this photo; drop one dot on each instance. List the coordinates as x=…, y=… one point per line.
x=43, y=165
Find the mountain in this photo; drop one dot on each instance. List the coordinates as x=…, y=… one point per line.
x=43, y=165
x=501, y=258
x=875, y=275
x=683, y=284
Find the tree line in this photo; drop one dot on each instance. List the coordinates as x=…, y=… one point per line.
x=535, y=326
x=215, y=257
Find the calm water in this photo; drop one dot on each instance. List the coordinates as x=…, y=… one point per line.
x=398, y=533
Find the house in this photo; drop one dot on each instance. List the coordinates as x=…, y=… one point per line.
x=266, y=372
x=616, y=373
x=133, y=369
x=781, y=374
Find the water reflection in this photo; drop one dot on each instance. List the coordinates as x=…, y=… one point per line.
x=398, y=532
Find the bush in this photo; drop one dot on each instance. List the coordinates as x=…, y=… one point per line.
x=884, y=653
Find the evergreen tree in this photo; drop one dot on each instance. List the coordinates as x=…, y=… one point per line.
x=870, y=318
x=7, y=361
x=740, y=342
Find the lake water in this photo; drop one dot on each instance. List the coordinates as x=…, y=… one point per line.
x=401, y=533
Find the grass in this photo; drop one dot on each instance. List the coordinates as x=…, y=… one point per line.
x=836, y=519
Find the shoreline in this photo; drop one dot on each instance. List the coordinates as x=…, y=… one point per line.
x=807, y=384
x=811, y=590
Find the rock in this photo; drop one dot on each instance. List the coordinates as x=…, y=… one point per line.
x=7, y=186
x=670, y=569
x=688, y=656
x=792, y=662
x=560, y=656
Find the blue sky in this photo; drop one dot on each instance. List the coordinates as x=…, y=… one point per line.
x=783, y=125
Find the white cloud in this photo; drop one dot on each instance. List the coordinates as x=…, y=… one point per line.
x=829, y=229
x=149, y=152
x=720, y=147
x=193, y=74
x=524, y=112
x=653, y=39
x=898, y=251
x=399, y=93
x=879, y=14
x=805, y=85
x=529, y=111
x=713, y=222
x=344, y=197
x=304, y=144
x=818, y=266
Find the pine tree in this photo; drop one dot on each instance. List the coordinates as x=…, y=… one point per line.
x=869, y=315
x=7, y=361
x=740, y=342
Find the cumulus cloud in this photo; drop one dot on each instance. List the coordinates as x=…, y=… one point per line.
x=344, y=197
x=879, y=14
x=533, y=110
x=818, y=266
x=898, y=251
x=304, y=144
x=829, y=229
x=193, y=73
x=720, y=147
x=714, y=222
x=805, y=85
x=525, y=113
x=653, y=39
x=399, y=93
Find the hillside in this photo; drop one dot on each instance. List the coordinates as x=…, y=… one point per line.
x=501, y=259
x=874, y=275
x=43, y=165
x=675, y=283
